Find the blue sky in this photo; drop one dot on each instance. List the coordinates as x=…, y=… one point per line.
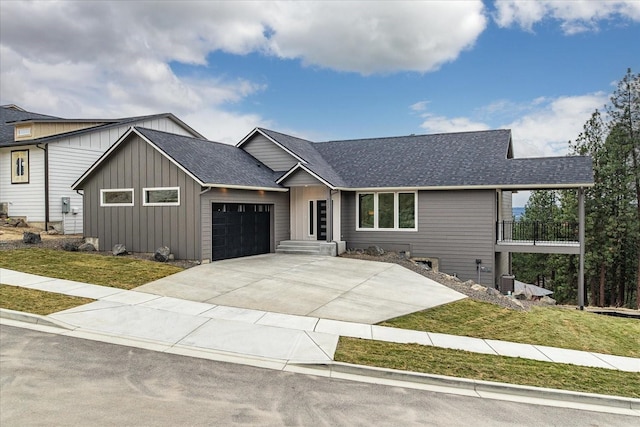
x=325, y=70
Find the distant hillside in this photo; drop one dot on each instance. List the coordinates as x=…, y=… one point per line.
x=517, y=213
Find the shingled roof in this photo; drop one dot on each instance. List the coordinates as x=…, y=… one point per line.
x=210, y=163
x=12, y=113
x=307, y=150
x=443, y=161
x=11, y=116
x=450, y=160
x=213, y=163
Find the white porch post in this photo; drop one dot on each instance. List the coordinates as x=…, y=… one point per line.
x=581, y=237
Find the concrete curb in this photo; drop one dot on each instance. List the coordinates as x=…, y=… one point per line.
x=479, y=387
x=20, y=316
x=340, y=370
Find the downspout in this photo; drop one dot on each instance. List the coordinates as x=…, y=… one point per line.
x=46, y=185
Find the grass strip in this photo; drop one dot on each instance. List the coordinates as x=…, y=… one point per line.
x=37, y=302
x=550, y=326
x=116, y=272
x=463, y=364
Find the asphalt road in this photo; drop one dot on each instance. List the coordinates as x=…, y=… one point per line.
x=52, y=380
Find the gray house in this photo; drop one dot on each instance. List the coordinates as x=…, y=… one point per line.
x=438, y=197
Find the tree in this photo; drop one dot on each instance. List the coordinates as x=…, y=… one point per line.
x=612, y=211
x=624, y=111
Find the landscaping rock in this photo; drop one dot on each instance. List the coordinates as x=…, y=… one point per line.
x=492, y=291
x=31, y=238
x=22, y=224
x=119, y=249
x=162, y=254
x=374, y=251
x=518, y=303
x=86, y=247
x=477, y=287
x=547, y=300
x=53, y=232
x=70, y=246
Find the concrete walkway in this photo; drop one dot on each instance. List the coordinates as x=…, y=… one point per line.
x=189, y=325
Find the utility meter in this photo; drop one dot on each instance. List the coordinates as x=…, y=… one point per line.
x=66, y=204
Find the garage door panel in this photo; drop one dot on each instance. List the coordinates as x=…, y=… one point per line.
x=240, y=230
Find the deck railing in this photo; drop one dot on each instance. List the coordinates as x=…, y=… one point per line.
x=536, y=231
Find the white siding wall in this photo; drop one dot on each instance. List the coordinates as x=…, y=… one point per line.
x=69, y=158
x=24, y=199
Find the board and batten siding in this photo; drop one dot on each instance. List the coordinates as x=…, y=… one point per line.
x=141, y=228
x=457, y=227
x=70, y=157
x=279, y=212
x=25, y=200
x=274, y=157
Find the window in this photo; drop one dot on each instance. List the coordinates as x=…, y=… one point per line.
x=116, y=197
x=20, y=167
x=23, y=131
x=161, y=196
x=366, y=210
x=386, y=211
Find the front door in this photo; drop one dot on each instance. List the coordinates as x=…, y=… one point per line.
x=321, y=223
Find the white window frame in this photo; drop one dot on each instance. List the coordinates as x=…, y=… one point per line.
x=396, y=211
x=148, y=189
x=23, y=131
x=21, y=156
x=115, y=190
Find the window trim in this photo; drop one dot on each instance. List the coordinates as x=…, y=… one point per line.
x=145, y=190
x=114, y=190
x=396, y=210
x=25, y=177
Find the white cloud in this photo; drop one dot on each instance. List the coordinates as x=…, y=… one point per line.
x=441, y=124
x=419, y=106
x=575, y=16
x=549, y=125
x=374, y=37
x=80, y=59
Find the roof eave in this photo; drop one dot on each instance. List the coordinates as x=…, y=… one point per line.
x=246, y=187
x=512, y=187
x=309, y=171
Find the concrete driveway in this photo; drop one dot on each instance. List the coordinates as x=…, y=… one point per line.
x=317, y=286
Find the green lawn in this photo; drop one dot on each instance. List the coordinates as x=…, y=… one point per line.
x=550, y=326
x=37, y=302
x=117, y=272
x=456, y=363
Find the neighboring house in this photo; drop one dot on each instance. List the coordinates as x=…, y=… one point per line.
x=433, y=196
x=41, y=156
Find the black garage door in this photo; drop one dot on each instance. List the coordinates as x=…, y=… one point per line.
x=240, y=230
